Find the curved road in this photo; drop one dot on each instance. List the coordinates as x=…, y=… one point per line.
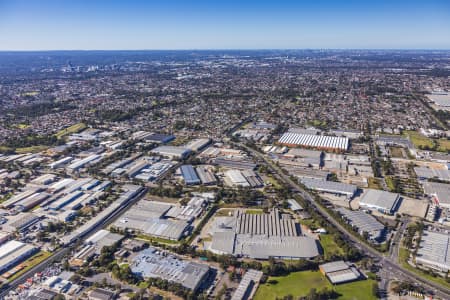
x=388, y=263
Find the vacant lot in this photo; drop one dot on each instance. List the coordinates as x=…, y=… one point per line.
x=300, y=283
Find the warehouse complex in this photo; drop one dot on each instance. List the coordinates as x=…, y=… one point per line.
x=156, y=264
x=382, y=201
x=161, y=219
x=261, y=236
x=364, y=223
x=173, y=152
x=434, y=251
x=321, y=142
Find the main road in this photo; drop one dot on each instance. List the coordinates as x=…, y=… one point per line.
x=390, y=265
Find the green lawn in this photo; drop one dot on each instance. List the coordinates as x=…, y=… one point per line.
x=444, y=145
x=329, y=246
x=299, y=284
x=418, y=139
x=374, y=183
x=151, y=239
x=254, y=211
x=72, y=129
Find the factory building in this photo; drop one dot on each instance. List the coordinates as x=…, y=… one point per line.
x=206, y=176
x=61, y=162
x=382, y=201
x=337, y=188
x=261, y=236
x=189, y=175
x=240, y=164
x=159, y=138
x=424, y=173
x=235, y=178
x=154, y=263
x=320, y=142
x=339, y=272
x=198, y=144
x=364, y=223
x=173, y=152
x=434, y=251
x=81, y=163
x=14, y=252
x=248, y=285
x=440, y=193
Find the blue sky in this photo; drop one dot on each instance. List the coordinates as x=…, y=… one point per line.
x=217, y=24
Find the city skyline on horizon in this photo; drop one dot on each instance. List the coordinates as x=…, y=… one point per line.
x=231, y=25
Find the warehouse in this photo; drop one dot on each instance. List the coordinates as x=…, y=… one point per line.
x=426, y=173
x=61, y=162
x=439, y=191
x=19, y=197
x=261, y=236
x=320, y=142
x=254, y=180
x=63, y=201
x=104, y=238
x=44, y=179
x=189, y=175
x=339, y=272
x=172, y=151
x=206, y=176
x=234, y=163
x=32, y=201
x=154, y=263
x=235, y=178
x=148, y=217
x=14, y=252
x=159, y=138
x=364, y=223
x=78, y=164
x=198, y=144
x=382, y=201
x=248, y=285
x=434, y=251
x=338, y=188
x=21, y=222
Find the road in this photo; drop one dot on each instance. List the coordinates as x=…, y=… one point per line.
x=390, y=265
x=59, y=254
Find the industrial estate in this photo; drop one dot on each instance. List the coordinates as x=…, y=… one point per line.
x=225, y=175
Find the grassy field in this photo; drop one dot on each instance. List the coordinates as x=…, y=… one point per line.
x=329, y=246
x=390, y=183
x=31, y=149
x=374, y=183
x=444, y=145
x=254, y=211
x=72, y=129
x=300, y=283
x=156, y=239
x=396, y=152
x=418, y=139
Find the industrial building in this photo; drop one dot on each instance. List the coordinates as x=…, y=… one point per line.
x=364, y=222
x=190, y=177
x=434, y=251
x=339, y=272
x=337, y=188
x=148, y=217
x=173, y=152
x=440, y=193
x=198, y=144
x=21, y=222
x=248, y=285
x=426, y=173
x=234, y=163
x=321, y=142
x=261, y=236
x=235, y=178
x=206, y=176
x=14, y=252
x=81, y=163
x=103, y=238
x=158, y=264
x=159, y=138
x=382, y=201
